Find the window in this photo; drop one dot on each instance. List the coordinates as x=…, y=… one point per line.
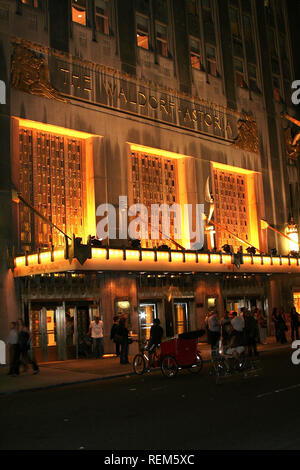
x=102, y=16
x=162, y=39
x=31, y=3
x=155, y=181
x=79, y=11
x=142, y=32
x=211, y=60
x=239, y=72
x=51, y=178
x=192, y=7
x=252, y=73
x=234, y=22
x=233, y=190
x=195, y=53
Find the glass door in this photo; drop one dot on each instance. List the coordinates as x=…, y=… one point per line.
x=48, y=332
x=147, y=313
x=181, y=317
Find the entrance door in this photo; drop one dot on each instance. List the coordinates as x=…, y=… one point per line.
x=48, y=333
x=147, y=313
x=181, y=317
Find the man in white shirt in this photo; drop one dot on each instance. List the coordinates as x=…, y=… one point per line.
x=96, y=332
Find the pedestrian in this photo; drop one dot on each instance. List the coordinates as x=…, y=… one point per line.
x=294, y=323
x=96, y=332
x=262, y=326
x=275, y=320
x=123, y=333
x=238, y=326
x=14, y=350
x=213, y=328
x=113, y=333
x=226, y=328
x=282, y=327
x=251, y=333
x=26, y=352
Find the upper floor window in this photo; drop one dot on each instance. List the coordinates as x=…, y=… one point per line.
x=31, y=3
x=239, y=72
x=142, y=31
x=162, y=39
x=234, y=22
x=195, y=53
x=102, y=16
x=211, y=60
x=79, y=8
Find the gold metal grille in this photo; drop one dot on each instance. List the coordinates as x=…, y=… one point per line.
x=154, y=181
x=51, y=180
x=231, y=207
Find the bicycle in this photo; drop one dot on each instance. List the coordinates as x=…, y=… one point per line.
x=146, y=360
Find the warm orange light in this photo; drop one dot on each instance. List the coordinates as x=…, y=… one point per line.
x=98, y=253
x=54, y=129
x=132, y=254
x=155, y=151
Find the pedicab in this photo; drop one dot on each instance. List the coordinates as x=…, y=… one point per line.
x=180, y=352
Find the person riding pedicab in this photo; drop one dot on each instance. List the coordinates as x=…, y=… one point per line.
x=156, y=334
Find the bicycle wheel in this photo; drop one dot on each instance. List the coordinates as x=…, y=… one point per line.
x=139, y=364
x=169, y=366
x=219, y=370
x=197, y=367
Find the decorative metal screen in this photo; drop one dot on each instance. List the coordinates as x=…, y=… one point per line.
x=51, y=181
x=154, y=181
x=231, y=207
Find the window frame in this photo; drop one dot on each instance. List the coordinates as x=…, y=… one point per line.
x=106, y=19
x=138, y=14
x=79, y=8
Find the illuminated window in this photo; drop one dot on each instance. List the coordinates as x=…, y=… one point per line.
x=102, y=16
x=162, y=39
x=195, y=53
x=31, y=3
x=51, y=180
x=211, y=60
x=181, y=317
x=142, y=31
x=297, y=301
x=154, y=180
x=235, y=207
x=79, y=8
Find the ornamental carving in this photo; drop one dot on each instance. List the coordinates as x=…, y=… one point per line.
x=30, y=73
x=247, y=138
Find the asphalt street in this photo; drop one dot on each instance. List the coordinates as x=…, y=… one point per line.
x=151, y=412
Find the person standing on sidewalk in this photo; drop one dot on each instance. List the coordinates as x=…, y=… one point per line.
x=123, y=332
x=14, y=350
x=96, y=332
x=262, y=326
x=294, y=323
x=26, y=352
x=251, y=332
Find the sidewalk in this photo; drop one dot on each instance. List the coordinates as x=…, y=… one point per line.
x=54, y=374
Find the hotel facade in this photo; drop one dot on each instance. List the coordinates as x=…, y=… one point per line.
x=123, y=102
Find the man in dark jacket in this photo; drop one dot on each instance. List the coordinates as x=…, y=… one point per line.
x=156, y=334
x=251, y=332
